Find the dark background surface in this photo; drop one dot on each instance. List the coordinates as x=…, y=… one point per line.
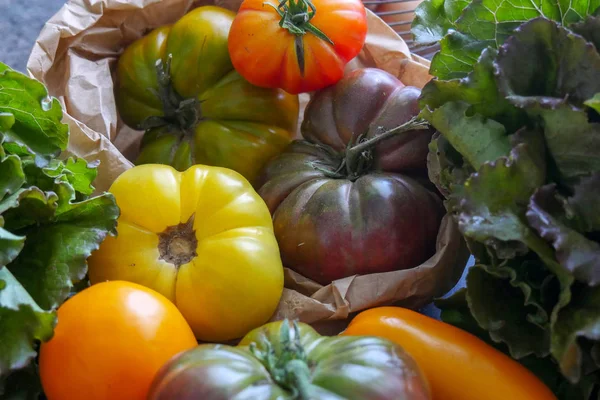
x=20, y=25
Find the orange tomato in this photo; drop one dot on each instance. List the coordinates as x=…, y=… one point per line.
x=458, y=365
x=110, y=341
x=308, y=52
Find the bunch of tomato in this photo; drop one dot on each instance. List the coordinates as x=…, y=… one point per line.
x=224, y=196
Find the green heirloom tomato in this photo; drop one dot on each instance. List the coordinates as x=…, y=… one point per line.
x=353, y=197
x=281, y=361
x=178, y=84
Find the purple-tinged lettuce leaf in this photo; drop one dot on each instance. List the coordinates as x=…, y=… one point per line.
x=572, y=141
x=495, y=199
x=494, y=21
x=580, y=319
x=478, y=139
x=479, y=90
x=445, y=166
x=580, y=256
x=433, y=19
x=589, y=28
x=486, y=23
x=519, y=319
x=543, y=63
x=586, y=202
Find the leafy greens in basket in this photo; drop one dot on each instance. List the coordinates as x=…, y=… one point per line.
x=49, y=225
x=516, y=103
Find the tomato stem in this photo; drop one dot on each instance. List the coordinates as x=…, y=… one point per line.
x=295, y=17
x=358, y=156
x=288, y=367
x=181, y=113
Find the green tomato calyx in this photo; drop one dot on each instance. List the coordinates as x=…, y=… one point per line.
x=295, y=17
x=179, y=113
x=288, y=368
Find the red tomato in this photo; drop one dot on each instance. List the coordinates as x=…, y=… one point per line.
x=110, y=341
x=307, y=52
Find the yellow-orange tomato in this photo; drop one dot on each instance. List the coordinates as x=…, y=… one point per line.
x=203, y=238
x=110, y=341
x=458, y=365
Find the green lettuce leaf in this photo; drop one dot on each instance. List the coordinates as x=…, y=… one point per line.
x=78, y=172
x=477, y=89
x=476, y=138
x=458, y=53
x=559, y=66
x=433, y=19
x=28, y=207
x=10, y=246
x=37, y=117
x=594, y=102
x=46, y=267
x=23, y=323
x=49, y=225
x=482, y=24
x=24, y=384
x=12, y=176
x=572, y=140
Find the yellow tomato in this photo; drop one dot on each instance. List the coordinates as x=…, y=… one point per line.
x=110, y=341
x=203, y=238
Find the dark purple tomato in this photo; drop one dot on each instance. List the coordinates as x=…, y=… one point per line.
x=353, y=197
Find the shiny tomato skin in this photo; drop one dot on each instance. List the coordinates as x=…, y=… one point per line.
x=237, y=125
x=265, y=54
x=333, y=368
x=458, y=365
x=110, y=341
x=232, y=282
x=332, y=227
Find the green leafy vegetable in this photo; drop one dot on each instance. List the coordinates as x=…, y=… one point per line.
x=435, y=18
x=517, y=156
x=594, y=102
x=49, y=225
x=464, y=30
x=553, y=68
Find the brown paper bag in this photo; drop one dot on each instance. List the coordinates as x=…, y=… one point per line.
x=75, y=57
